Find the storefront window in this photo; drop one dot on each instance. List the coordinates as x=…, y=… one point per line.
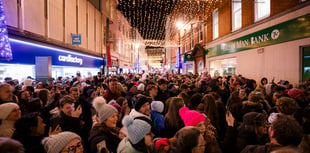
x=223, y=67
x=16, y=71
x=305, y=63
x=59, y=71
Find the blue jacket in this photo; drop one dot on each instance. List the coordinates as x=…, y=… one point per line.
x=158, y=122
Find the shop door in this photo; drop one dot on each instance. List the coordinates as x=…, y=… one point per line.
x=305, y=62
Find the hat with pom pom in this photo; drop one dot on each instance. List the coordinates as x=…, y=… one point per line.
x=103, y=109
x=136, y=128
x=190, y=117
x=157, y=106
x=56, y=143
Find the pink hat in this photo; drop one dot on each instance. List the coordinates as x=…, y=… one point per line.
x=190, y=117
x=295, y=93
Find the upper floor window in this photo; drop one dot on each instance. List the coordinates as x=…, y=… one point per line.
x=236, y=15
x=215, y=16
x=192, y=37
x=185, y=45
x=262, y=9
x=200, y=34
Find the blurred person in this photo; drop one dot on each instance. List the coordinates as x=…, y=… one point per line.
x=162, y=94
x=63, y=142
x=104, y=135
x=9, y=114
x=158, y=120
x=6, y=93
x=112, y=92
x=8, y=145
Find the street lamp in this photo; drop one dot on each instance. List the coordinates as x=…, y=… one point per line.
x=179, y=25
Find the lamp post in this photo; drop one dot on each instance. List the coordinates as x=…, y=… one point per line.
x=179, y=25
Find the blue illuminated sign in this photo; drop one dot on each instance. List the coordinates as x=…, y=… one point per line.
x=25, y=53
x=76, y=39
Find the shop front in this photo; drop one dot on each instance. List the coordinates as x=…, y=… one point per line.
x=188, y=63
x=280, y=51
x=31, y=58
x=115, y=65
x=198, y=55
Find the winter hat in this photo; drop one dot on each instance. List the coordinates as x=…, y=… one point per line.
x=55, y=143
x=103, y=109
x=6, y=109
x=272, y=117
x=141, y=87
x=136, y=128
x=141, y=100
x=116, y=105
x=253, y=118
x=157, y=106
x=295, y=93
x=27, y=82
x=130, y=85
x=190, y=117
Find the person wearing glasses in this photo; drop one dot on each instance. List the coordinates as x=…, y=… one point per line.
x=64, y=142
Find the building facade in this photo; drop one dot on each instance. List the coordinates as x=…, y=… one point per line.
x=257, y=39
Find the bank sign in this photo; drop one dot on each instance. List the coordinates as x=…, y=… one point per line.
x=294, y=29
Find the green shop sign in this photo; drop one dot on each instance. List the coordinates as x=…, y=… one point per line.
x=188, y=57
x=287, y=31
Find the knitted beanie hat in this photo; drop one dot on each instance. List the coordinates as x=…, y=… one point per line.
x=56, y=143
x=190, y=117
x=141, y=100
x=6, y=109
x=141, y=87
x=136, y=128
x=103, y=109
x=157, y=106
x=295, y=93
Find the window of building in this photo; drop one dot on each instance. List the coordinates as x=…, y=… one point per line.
x=262, y=9
x=185, y=43
x=200, y=34
x=236, y=15
x=215, y=24
x=192, y=37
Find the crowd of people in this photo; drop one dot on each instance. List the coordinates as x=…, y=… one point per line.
x=154, y=113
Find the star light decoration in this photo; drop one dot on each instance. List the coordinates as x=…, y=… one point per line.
x=150, y=16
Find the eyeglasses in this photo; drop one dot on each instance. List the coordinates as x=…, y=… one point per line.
x=72, y=149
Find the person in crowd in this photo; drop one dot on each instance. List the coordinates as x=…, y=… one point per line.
x=9, y=114
x=44, y=96
x=173, y=121
x=6, y=93
x=68, y=118
x=234, y=105
x=183, y=145
x=298, y=95
x=286, y=106
x=139, y=139
x=195, y=100
x=63, y=142
x=158, y=120
x=8, y=145
x=112, y=92
x=210, y=110
x=24, y=99
x=29, y=131
x=132, y=92
x=151, y=91
x=125, y=108
x=304, y=146
x=163, y=93
x=104, y=135
x=98, y=80
x=141, y=108
x=284, y=131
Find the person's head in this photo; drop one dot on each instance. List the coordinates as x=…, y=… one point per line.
x=286, y=131
x=286, y=105
x=113, y=82
x=44, y=96
x=242, y=92
x=35, y=105
x=296, y=94
x=75, y=93
x=132, y=88
x=66, y=105
x=142, y=105
x=137, y=129
x=107, y=114
x=24, y=95
x=172, y=115
x=255, y=123
x=209, y=106
x=152, y=90
x=264, y=81
x=162, y=84
x=63, y=142
x=184, y=88
x=30, y=125
x=6, y=92
x=157, y=106
x=196, y=143
x=10, y=111
x=190, y=117
x=8, y=145
x=40, y=85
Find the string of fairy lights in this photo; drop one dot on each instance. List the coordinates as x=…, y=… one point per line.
x=156, y=19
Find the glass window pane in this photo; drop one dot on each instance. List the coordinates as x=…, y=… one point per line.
x=262, y=8
x=237, y=5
